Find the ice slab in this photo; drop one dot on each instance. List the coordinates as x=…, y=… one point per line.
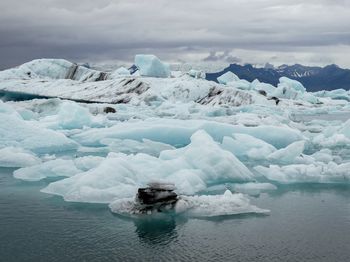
x=216, y=205
x=307, y=173
x=128, y=146
x=227, y=78
x=191, y=168
x=17, y=157
x=57, y=168
x=242, y=145
x=150, y=65
x=289, y=154
x=198, y=206
x=178, y=132
x=14, y=131
x=70, y=115
x=197, y=73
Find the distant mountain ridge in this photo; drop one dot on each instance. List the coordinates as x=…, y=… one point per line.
x=312, y=77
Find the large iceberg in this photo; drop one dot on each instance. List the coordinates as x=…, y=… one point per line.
x=150, y=65
x=191, y=168
x=52, y=69
x=178, y=132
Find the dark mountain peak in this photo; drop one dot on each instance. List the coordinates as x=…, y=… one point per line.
x=312, y=77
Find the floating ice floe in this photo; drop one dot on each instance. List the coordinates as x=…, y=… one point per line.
x=17, y=157
x=191, y=168
x=150, y=65
x=198, y=206
x=128, y=146
x=307, y=173
x=216, y=205
x=243, y=145
x=178, y=132
x=57, y=168
x=70, y=115
x=289, y=154
x=16, y=132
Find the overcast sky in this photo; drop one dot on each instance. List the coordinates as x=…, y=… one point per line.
x=254, y=31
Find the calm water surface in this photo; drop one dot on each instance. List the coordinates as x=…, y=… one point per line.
x=307, y=223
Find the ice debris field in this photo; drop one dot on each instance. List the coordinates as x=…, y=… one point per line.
x=96, y=137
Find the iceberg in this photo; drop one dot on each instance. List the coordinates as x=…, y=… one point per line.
x=52, y=69
x=151, y=66
x=121, y=71
x=199, y=74
x=70, y=115
x=57, y=168
x=177, y=132
x=289, y=154
x=15, y=132
x=243, y=145
x=227, y=78
x=191, y=168
x=17, y=157
x=216, y=205
x=307, y=173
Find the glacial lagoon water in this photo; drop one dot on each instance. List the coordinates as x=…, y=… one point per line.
x=306, y=223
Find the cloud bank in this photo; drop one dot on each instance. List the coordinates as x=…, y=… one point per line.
x=255, y=31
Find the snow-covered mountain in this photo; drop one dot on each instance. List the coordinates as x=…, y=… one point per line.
x=313, y=78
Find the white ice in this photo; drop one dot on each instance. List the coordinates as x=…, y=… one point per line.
x=57, y=168
x=191, y=168
x=17, y=157
x=227, y=78
x=151, y=66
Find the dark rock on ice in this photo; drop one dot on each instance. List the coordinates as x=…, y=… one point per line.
x=157, y=196
x=109, y=109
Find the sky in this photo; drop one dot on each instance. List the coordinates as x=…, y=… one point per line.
x=312, y=32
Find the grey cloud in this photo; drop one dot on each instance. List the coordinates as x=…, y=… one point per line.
x=176, y=30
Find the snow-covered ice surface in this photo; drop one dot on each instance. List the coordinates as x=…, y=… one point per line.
x=157, y=125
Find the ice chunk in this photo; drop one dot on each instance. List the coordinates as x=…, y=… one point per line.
x=178, y=132
x=294, y=84
x=267, y=88
x=197, y=74
x=52, y=69
x=215, y=205
x=53, y=168
x=58, y=168
x=191, y=168
x=289, y=154
x=17, y=157
x=70, y=116
x=128, y=146
x=16, y=132
x=227, y=78
x=242, y=145
x=150, y=65
x=121, y=71
x=310, y=173
x=240, y=84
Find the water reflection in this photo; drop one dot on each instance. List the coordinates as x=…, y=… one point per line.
x=156, y=230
